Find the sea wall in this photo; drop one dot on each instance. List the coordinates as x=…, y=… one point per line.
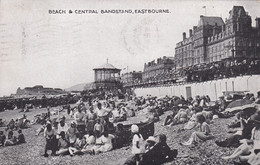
x=214, y=88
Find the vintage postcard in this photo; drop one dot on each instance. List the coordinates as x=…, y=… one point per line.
x=129, y=82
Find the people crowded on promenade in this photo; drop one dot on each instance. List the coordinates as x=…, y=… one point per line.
x=200, y=73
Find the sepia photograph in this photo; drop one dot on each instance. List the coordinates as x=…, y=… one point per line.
x=128, y=82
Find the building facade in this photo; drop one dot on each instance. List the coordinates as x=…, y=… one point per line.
x=213, y=40
x=131, y=77
x=153, y=68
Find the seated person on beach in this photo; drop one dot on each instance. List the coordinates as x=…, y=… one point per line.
x=169, y=119
x=152, y=116
x=247, y=148
x=123, y=114
x=150, y=142
x=105, y=143
x=108, y=126
x=116, y=115
x=192, y=122
x=158, y=153
x=11, y=125
x=121, y=137
x=63, y=144
x=21, y=138
x=244, y=132
x=11, y=139
x=180, y=117
x=253, y=159
x=131, y=113
x=2, y=138
x=90, y=143
x=41, y=129
x=202, y=135
x=77, y=146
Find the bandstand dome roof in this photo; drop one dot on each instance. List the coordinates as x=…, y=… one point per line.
x=107, y=66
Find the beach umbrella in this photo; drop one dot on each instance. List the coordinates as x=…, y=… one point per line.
x=239, y=105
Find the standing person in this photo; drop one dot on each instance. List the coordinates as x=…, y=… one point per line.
x=71, y=134
x=202, y=135
x=137, y=143
x=68, y=109
x=62, y=126
x=101, y=112
x=48, y=112
x=49, y=135
x=90, y=119
x=56, y=136
x=98, y=128
x=80, y=120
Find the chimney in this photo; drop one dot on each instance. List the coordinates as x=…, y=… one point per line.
x=184, y=35
x=214, y=31
x=257, y=22
x=190, y=32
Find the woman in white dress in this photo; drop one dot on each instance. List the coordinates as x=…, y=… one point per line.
x=90, y=143
x=106, y=143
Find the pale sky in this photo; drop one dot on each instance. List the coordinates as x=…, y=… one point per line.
x=38, y=48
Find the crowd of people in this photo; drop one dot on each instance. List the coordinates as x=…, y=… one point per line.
x=91, y=128
x=16, y=124
x=200, y=73
x=34, y=102
x=11, y=138
x=197, y=114
x=94, y=127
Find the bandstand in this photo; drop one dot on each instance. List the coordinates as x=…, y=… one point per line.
x=107, y=77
